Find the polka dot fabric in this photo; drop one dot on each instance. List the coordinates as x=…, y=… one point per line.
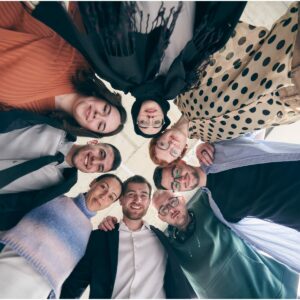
x=240, y=88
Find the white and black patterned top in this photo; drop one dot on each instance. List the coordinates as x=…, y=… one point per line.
x=247, y=86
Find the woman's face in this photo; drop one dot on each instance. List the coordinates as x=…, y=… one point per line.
x=103, y=193
x=96, y=114
x=170, y=145
x=150, y=118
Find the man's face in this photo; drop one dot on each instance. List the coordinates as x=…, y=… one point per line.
x=135, y=201
x=180, y=177
x=171, y=208
x=103, y=193
x=93, y=158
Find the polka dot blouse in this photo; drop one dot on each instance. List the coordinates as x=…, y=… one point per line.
x=247, y=85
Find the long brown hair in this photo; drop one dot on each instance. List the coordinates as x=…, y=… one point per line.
x=87, y=84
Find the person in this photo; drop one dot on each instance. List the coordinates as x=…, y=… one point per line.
x=238, y=166
x=39, y=162
x=134, y=260
x=44, y=247
x=50, y=76
x=217, y=263
x=131, y=49
x=252, y=83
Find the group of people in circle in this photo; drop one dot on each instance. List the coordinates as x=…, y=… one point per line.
x=227, y=78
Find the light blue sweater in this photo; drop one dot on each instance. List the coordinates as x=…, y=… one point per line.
x=53, y=238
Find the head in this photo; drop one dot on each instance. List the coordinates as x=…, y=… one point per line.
x=97, y=112
x=150, y=117
x=136, y=197
x=170, y=207
x=96, y=157
x=177, y=177
x=104, y=190
x=168, y=148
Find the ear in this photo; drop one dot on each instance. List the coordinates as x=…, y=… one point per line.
x=92, y=142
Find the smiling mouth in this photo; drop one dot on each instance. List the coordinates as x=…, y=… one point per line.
x=150, y=110
x=135, y=207
x=174, y=214
x=188, y=179
x=86, y=161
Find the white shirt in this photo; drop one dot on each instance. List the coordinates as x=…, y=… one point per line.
x=141, y=266
x=28, y=143
x=182, y=32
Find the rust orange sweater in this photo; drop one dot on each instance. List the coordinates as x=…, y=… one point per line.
x=36, y=64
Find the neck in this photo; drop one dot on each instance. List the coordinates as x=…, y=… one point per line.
x=183, y=226
x=133, y=225
x=66, y=102
x=182, y=125
x=70, y=154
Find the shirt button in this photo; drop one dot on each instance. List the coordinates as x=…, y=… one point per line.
x=280, y=114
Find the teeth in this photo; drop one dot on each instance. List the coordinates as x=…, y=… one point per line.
x=135, y=207
x=86, y=160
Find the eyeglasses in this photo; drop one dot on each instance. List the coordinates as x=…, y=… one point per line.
x=147, y=123
x=172, y=203
x=176, y=174
x=163, y=145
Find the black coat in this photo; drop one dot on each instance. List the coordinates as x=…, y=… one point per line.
x=14, y=206
x=106, y=45
x=98, y=269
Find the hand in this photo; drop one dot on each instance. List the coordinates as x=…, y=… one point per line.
x=108, y=223
x=205, y=153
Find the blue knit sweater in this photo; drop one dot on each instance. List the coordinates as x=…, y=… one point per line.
x=53, y=238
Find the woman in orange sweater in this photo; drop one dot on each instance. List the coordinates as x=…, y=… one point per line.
x=41, y=72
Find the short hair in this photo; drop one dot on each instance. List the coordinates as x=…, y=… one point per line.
x=117, y=157
x=162, y=162
x=157, y=178
x=136, y=179
x=103, y=176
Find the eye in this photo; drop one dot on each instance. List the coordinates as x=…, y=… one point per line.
x=106, y=109
x=102, y=154
x=101, y=126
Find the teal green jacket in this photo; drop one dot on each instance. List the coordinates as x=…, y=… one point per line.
x=218, y=264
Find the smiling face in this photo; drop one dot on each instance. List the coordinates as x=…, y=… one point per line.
x=180, y=177
x=96, y=114
x=135, y=201
x=170, y=145
x=163, y=202
x=93, y=158
x=103, y=193
x=150, y=118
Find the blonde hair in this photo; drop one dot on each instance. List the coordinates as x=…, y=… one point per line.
x=161, y=162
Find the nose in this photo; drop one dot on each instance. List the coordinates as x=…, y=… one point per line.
x=95, y=160
x=181, y=179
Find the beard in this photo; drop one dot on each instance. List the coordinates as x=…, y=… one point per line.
x=134, y=215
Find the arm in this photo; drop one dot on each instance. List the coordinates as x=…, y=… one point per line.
x=108, y=223
x=80, y=278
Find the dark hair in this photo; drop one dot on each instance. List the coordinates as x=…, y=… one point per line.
x=157, y=178
x=165, y=106
x=103, y=176
x=117, y=157
x=136, y=179
x=87, y=84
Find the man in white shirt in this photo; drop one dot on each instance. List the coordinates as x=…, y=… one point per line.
x=39, y=161
x=134, y=260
